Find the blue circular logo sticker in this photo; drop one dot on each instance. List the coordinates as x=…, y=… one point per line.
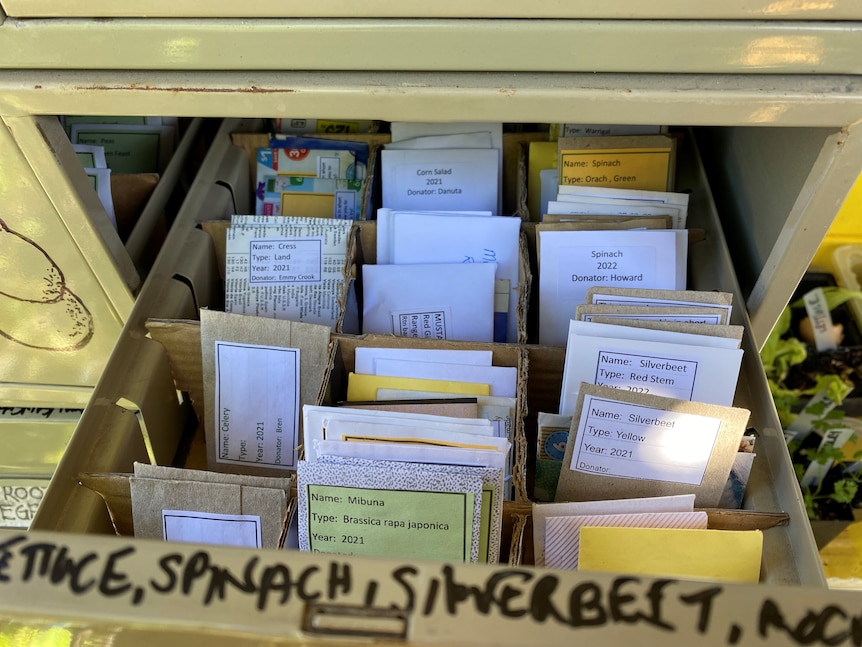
x=555, y=444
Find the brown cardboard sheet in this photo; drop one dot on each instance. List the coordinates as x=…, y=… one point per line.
x=154, y=489
x=705, y=297
x=614, y=313
x=582, y=486
x=312, y=341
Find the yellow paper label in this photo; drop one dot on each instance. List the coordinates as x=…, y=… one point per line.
x=315, y=205
x=409, y=524
x=326, y=126
x=645, y=169
x=364, y=387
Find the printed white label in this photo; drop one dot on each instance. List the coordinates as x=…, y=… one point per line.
x=211, y=528
x=596, y=130
x=821, y=320
x=665, y=376
x=633, y=441
x=19, y=501
x=679, y=318
x=423, y=324
x=329, y=168
x=433, y=179
x=345, y=205
x=257, y=405
x=285, y=261
x=584, y=267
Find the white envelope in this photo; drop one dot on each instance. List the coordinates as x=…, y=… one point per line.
x=542, y=511
x=613, y=331
x=669, y=368
x=466, y=140
x=462, y=239
x=365, y=357
x=437, y=179
x=402, y=130
x=678, y=202
x=570, y=262
x=563, y=534
x=384, y=228
x=413, y=453
x=444, y=301
x=502, y=379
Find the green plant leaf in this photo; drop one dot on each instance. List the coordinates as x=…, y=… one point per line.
x=808, y=498
x=770, y=348
x=845, y=490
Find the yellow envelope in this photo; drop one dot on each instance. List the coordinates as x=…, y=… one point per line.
x=724, y=555
x=364, y=387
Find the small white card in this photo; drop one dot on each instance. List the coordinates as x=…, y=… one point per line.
x=571, y=262
x=212, y=528
x=676, y=202
x=638, y=442
x=256, y=405
x=438, y=179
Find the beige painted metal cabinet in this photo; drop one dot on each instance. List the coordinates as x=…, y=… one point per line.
x=771, y=89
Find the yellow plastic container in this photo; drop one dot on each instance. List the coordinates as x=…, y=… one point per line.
x=846, y=229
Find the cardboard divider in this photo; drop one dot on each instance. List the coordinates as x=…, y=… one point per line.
x=768, y=490
x=181, y=341
x=544, y=383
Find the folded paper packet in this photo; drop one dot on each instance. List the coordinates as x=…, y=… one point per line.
x=156, y=490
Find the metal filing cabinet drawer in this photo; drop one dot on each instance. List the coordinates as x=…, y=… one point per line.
x=664, y=64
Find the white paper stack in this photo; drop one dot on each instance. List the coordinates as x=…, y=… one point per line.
x=460, y=239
